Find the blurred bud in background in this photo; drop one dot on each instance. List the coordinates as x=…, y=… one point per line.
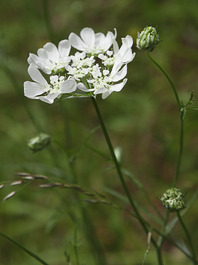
x=119, y=154
x=174, y=200
x=38, y=143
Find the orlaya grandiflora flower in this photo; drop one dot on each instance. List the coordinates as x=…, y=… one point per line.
x=51, y=59
x=99, y=67
x=47, y=92
x=91, y=42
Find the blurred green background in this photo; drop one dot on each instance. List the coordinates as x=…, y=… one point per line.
x=143, y=119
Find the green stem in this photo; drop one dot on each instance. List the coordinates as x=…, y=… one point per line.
x=24, y=249
x=174, y=244
x=139, y=217
x=181, y=137
x=168, y=78
x=188, y=237
x=161, y=239
x=181, y=118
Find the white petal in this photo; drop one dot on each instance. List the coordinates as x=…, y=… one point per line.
x=100, y=90
x=36, y=75
x=120, y=75
x=115, y=46
x=82, y=87
x=117, y=65
x=108, y=40
x=119, y=86
x=49, y=98
x=88, y=36
x=64, y=48
x=52, y=51
x=76, y=42
x=32, y=89
x=106, y=94
x=68, y=86
x=33, y=58
x=42, y=54
x=99, y=39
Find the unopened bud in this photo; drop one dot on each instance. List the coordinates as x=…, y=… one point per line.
x=174, y=200
x=38, y=143
x=119, y=154
x=147, y=39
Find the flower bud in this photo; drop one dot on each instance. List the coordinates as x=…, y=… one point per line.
x=174, y=200
x=147, y=39
x=119, y=154
x=38, y=143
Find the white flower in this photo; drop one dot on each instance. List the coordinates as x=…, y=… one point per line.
x=40, y=89
x=107, y=84
x=50, y=59
x=91, y=42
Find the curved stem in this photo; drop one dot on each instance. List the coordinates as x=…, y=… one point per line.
x=188, y=236
x=139, y=217
x=168, y=78
x=181, y=118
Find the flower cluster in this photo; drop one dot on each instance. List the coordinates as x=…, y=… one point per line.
x=98, y=67
x=174, y=200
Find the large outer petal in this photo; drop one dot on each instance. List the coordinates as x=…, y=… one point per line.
x=120, y=74
x=52, y=51
x=76, y=42
x=49, y=98
x=88, y=36
x=68, y=86
x=99, y=39
x=119, y=86
x=36, y=75
x=64, y=48
x=32, y=89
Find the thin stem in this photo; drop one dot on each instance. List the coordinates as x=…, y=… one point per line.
x=24, y=249
x=161, y=239
x=181, y=137
x=181, y=118
x=174, y=244
x=168, y=78
x=139, y=217
x=188, y=236
x=117, y=164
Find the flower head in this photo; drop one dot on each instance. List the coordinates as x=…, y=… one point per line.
x=51, y=59
x=174, y=200
x=147, y=39
x=91, y=42
x=47, y=92
x=99, y=67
